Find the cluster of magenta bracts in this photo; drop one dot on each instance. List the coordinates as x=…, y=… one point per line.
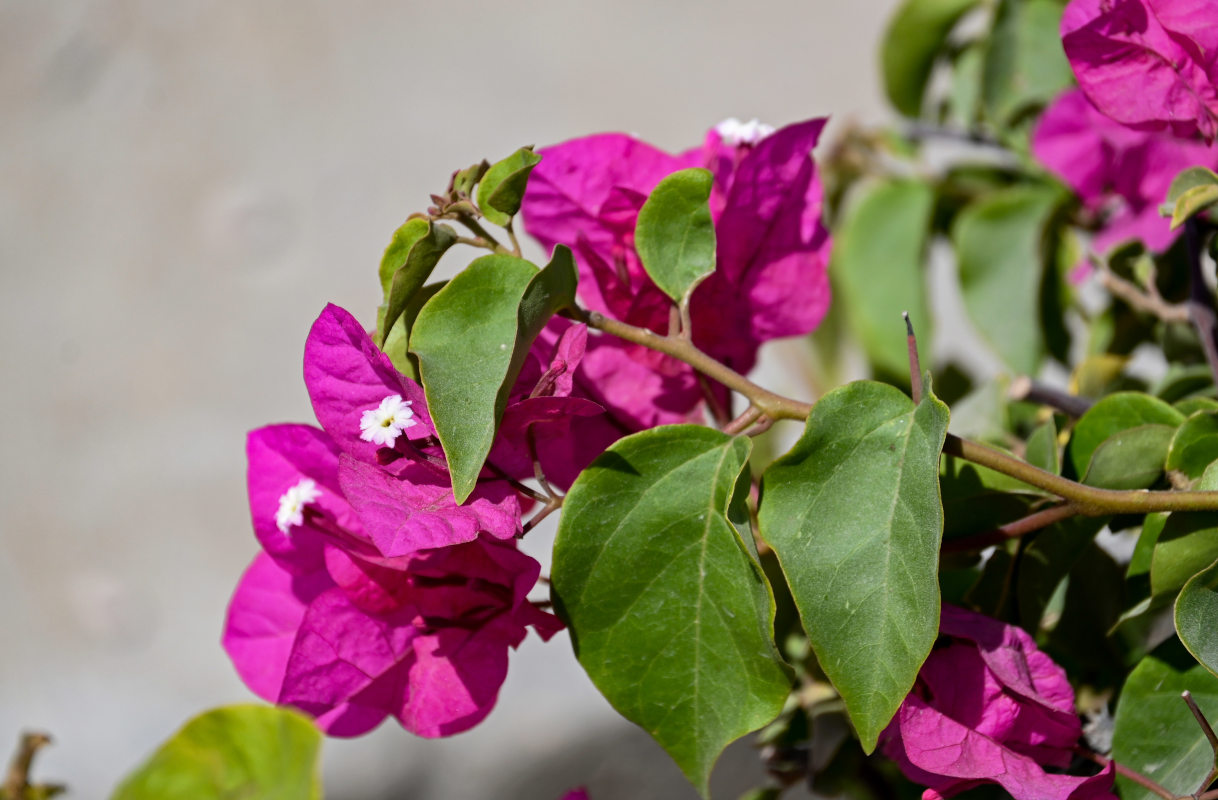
x=1147, y=71
x=376, y=594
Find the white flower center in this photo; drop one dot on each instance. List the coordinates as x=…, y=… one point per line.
x=383, y=424
x=292, y=503
x=735, y=133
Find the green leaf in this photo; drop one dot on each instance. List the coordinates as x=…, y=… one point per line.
x=397, y=343
x=1155, y=733
x=550, y=291
x=964, y=98
x=248, y=751
x=1042, y=448
x=675, y=237
x=465, y=338
x=1143, y=550
x=1025, y=66
x=1045, y=562
x=916, y=35
x=399, y=246
x=1192, y=203
x=1195, y=445
x=853, y=514
x=669, y=614
x=464, y=180
x=1130, y=459
x=502, y=187
x=877, y=268
x=1190, y=179
x=1000, y=243
x=1196, y=611
x=1112, y=414
x=1187, y=544
x=416, y=265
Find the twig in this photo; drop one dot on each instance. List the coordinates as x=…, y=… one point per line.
x=538, y=473
x=1024, y=388
x=549, y=508
x=1088, y=500
x=1209, y=735
x=1012, y=530
x=482, y=233
x=742, y=422
x=1150, y=301
x=1200, y=302
x=511, y=232
x=1121, y=769
x=915, y=366
x=763, y=425
x=523, y=488
x=17, y=779
x=773, y=405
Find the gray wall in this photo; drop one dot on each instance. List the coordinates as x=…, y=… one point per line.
x=183, y=185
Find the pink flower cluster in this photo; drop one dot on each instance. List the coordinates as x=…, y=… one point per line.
x=1147, y=71
x=376, y=594
x=772, y=254
x=988, y=707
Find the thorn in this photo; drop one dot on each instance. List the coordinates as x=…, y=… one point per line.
x=915, y=366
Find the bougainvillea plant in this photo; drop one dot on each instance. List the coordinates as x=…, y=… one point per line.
x=925, y=574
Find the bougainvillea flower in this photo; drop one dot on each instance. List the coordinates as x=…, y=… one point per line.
x=348, y=378
x=292, y=526
x=408, y=505
x=546, y=420
x=989, y=707
x=424, y=639
x=392, y=470
x=772, y=253
x=1120, y=174
x=1147, y=63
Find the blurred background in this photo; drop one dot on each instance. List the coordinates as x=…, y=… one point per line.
x=184, y=184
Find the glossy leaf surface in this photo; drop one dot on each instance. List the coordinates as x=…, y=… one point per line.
x=465, y=338
x=1156, y=734
x=669, y=613
x=854, y=515
x=675, y=236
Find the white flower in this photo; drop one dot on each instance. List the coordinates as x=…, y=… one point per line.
x=381, y=425
x=292, y=503
x=735, y=133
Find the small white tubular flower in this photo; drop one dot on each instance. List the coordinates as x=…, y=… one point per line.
x=383, y=424
x=292, y=503
x=735, y=133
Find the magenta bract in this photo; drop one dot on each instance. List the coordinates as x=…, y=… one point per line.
x=989, y=707
x=424, y=640
x=1147, y=63
x=772, y=253
x=1120, y=174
